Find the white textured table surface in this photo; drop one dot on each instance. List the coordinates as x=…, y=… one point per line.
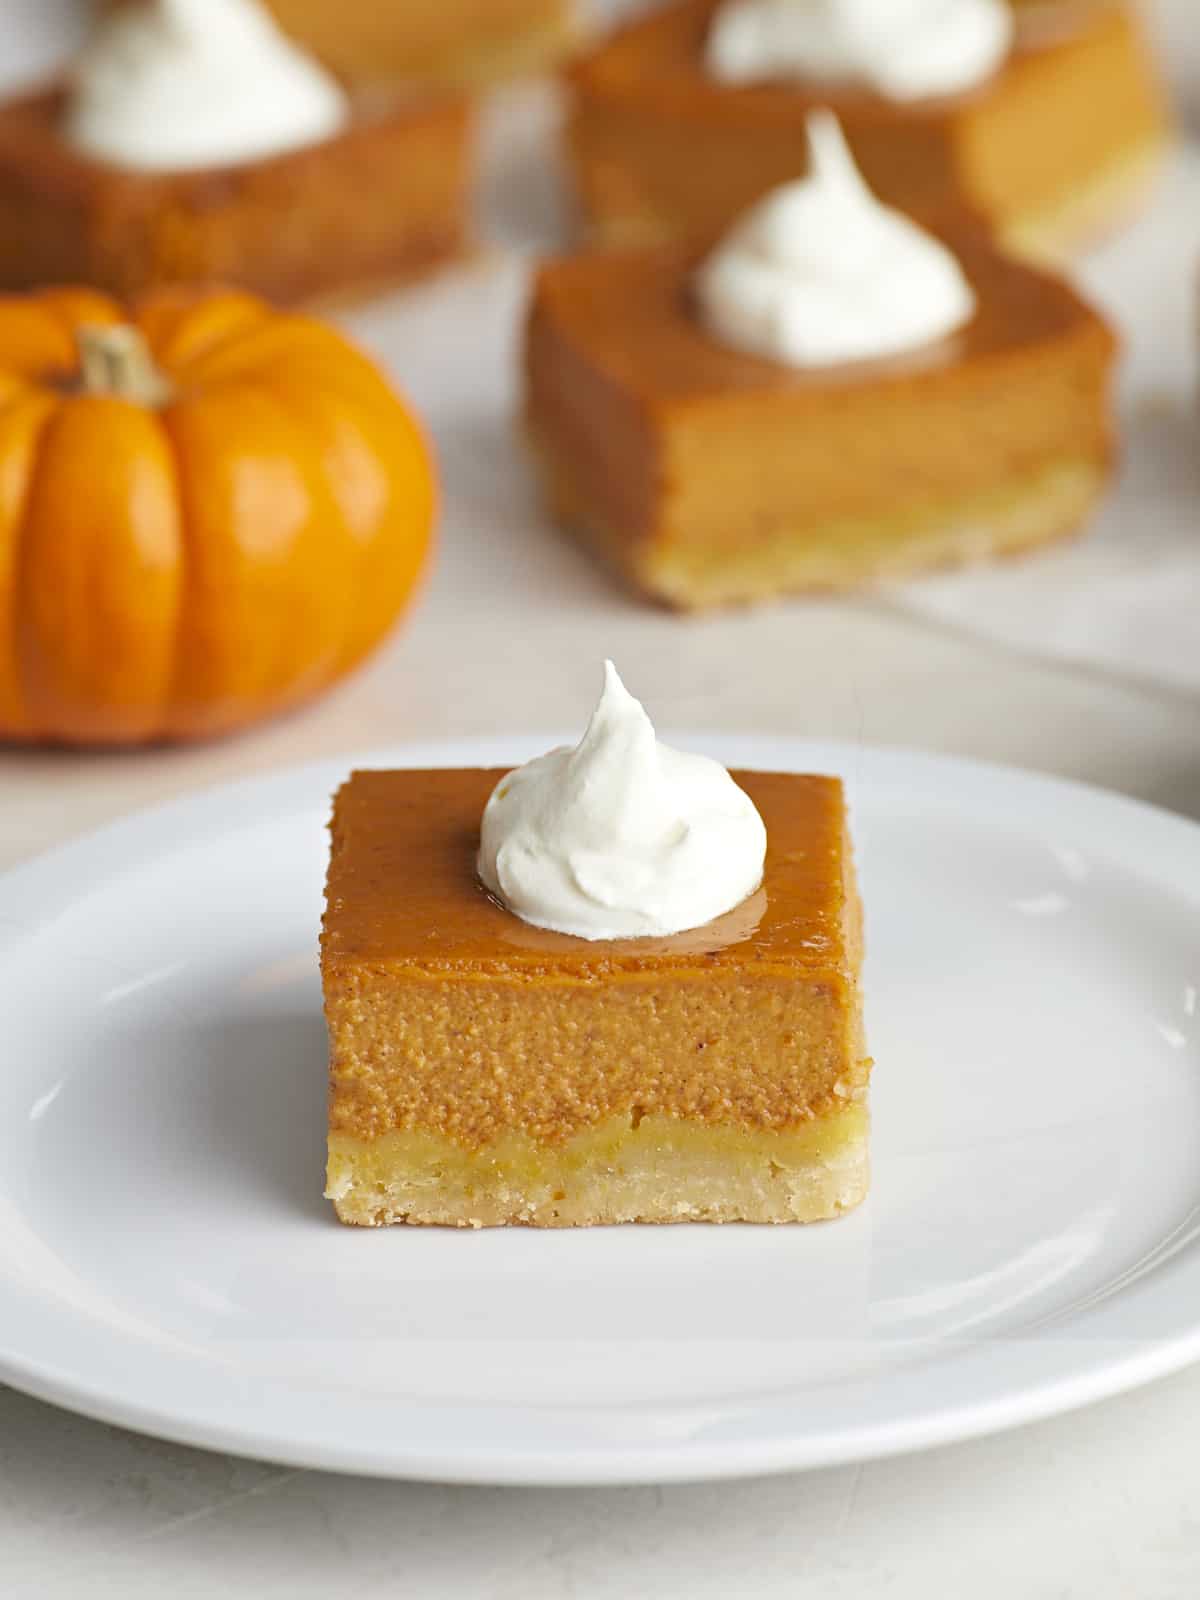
x=1100, y=1505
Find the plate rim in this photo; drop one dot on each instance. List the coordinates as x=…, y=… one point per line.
x=602, y=1461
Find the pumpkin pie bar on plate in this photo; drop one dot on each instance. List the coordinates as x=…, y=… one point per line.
x=485, y=1070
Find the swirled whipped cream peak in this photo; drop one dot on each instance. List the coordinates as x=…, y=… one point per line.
x=186, y=84
x=620, y=837
x=820, y=273
x=903, y=49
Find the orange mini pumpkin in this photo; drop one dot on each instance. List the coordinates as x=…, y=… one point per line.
x=208, y=512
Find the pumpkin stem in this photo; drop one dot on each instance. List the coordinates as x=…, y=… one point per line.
x=116, y=360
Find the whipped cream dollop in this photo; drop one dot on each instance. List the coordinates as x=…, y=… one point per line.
x=819, y=272
x=620, y=837
x=903, y=49
x=184, y=84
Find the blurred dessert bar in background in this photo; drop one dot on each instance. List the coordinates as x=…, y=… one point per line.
x=832, y=397
x=1044, y=122
x=433, y=41
x=195, y=140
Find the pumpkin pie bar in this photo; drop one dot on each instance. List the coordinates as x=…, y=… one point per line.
x=706, y=475
x=485, y=1071
x=429, y=41
x=660, y=147
x=379, y=203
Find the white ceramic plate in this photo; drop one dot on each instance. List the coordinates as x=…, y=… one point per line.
x=1030, y=1243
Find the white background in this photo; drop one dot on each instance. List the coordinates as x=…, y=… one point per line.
x=1084, y=663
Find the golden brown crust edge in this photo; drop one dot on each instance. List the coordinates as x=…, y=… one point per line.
x=658, y=1171
x=1021, y=517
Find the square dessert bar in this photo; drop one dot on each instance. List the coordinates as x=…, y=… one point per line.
x=661, y=147
x=484, y=1071
x=706, y=475
x=380, y=203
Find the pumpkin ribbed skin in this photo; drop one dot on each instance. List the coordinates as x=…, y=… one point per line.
x=178, y=565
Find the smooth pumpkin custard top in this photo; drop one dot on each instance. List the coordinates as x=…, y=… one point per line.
x=633, y=316
x=403, y=895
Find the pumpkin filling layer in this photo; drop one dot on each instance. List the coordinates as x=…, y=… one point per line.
x=302, y=227
x=661, y=147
